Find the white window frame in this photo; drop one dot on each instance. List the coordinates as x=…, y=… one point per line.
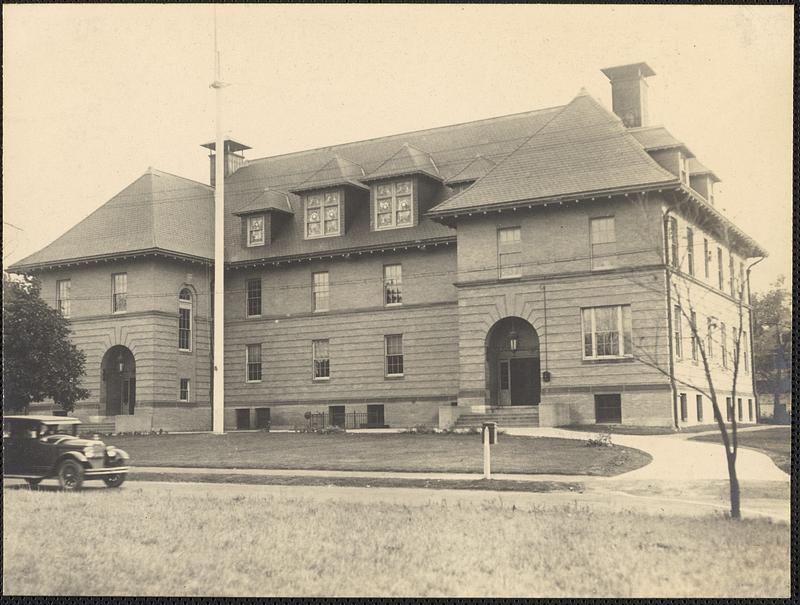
x=251, y=243
x=511, y=247
x=392, y=198
x=188, y=390
x=123, y=294
x=623, y=354
x=247, y=283
x=64, y=299
x=247, y=362
x=185, y=305
x=317, y=288
x=314, y=359
x=402, y=354
x=393, y=279
x=324, y=205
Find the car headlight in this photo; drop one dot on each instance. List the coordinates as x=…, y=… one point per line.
x=92, y=451
x=111, y=451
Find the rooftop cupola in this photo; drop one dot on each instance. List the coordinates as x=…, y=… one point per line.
x=234, y=158
x=629, y=92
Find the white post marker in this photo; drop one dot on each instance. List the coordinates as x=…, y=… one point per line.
x=487, y=454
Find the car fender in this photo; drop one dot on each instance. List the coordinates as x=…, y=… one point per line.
x=73, y=455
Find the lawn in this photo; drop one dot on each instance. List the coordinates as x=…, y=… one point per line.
x=137, y=542
x=623, y=429
x=456, y=453
x=774, y=442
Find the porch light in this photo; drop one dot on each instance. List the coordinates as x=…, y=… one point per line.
x=120, y=364
x=513, y=342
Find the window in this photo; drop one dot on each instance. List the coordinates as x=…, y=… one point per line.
x=608, y=408
x=185, y=320
x=699, y=404
x=253, y=363
x=677, y=330
x=393, y=205
x=690, y=250
x=723, y=344
x=183, y=390
x=255, y=230
x=750, y=409
x=336, y=413
x=393, y=284
x=720, y=272
x=263, y=418
x=119, y=293
x=731, y=276
x=253, y=297
x=509, y=252
x=684, y=408
x=740, y=409
x=375, y=417
x=710, y=338
x=322, y=360
x=603, y=241
x=243, y=419
x=323, y=214
x=672, y=234
x=693, y=328
x=745, y=351
x=706, y=257
x=728, y=409
x=320, y=291
x=741, y=279
x=394, y=354
x=63, y=288
x=606, y=332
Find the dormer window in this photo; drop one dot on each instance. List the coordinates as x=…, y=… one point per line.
x=393, y=205
x=323, y=214
x=255, y=230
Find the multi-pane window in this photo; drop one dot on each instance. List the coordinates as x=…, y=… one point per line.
x=672, y=234
x=322, y=360
x=731, y=275
x=710, y=338
x=185, y=320
x=255, y=230
x=720, y=270
x=706, y=257
x=320, y=291
x=603, y=241
x=699, y=405
x=693, y=328
x=690, y=250
x=393, y=284
x=183, y=390
x=119, y=292
x=323, y=214
x=684, y=407
x=509, y=251
x=745, y=351
x=253, y=297
x=677, y=331
x=606, y=331
x=394, y=205
x=63, y=287
x=723, y=344
x=253, y=362
x=394, y=354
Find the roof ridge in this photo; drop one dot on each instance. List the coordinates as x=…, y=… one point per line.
x=404, y=134
x=158, y=171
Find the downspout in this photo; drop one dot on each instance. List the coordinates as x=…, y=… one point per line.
x=669, y=321
x=752, y=339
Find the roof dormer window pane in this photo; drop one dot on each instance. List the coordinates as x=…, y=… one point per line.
x=255, y=230
x=394, y=205
x=323, y=214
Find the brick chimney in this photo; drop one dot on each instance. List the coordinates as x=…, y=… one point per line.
x=629, y=92
x=234, y=158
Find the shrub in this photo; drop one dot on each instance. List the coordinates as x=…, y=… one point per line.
x=600, y=440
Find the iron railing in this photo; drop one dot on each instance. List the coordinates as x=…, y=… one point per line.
x=349, y=420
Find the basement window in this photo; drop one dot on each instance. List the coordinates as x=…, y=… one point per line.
x=608, y=408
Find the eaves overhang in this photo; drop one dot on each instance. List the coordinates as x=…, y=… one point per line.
x=103, y=258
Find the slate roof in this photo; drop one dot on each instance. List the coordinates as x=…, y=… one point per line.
x=406, y=160
x=338, y=171
x=477, y=168
x=583, y=148
x=653, y=138
x=158, y=211
x=268, y=200
x=696, y=167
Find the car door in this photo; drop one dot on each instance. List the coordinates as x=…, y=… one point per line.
x=11, y=450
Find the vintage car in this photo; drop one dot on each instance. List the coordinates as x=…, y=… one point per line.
x=43, y=447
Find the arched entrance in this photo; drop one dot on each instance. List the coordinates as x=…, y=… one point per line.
x=118, y=382
x=512, y=363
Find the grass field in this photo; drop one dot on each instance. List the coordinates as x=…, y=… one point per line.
x=132, y=542
x=774, y=442
x=458, y=453
x=621, y=429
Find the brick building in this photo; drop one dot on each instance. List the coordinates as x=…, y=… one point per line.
x=516, y=265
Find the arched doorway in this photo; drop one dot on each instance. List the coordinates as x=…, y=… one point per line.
x=118, y=382
x=512, y=363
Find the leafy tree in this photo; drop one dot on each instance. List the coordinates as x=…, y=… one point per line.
x=772, y=331
x=39, y=361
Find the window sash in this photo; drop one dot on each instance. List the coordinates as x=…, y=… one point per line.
x=602, y=230
x=320, y=351
x=393, y=284
x=699, y=405
x=731, y=275
x=320, y=291
x=690, y=250
x=323, y=214
x=706, y=259
x=609, y=341
x=255, y=230
x=63, y=291
x=184, y=329
x=253, y=297
x=723, y=344
x=673, y=242
x=119, y=292
x=509, y=252
x=693, y=328
x=394, y=205
x=253, y=354
x=183, y=389
x=677, y=327
x=394, y=354
x=720, y=269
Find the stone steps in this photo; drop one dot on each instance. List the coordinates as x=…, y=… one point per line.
x=504, y=417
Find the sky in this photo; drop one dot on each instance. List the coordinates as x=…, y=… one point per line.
x=93, y=95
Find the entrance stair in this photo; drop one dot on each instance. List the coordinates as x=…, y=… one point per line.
x=507, y=416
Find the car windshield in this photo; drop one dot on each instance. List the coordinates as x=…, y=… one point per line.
x=46, y=430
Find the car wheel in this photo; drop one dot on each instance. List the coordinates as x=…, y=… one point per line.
x=70, y=475
x=114, y=480
x=33, y=482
